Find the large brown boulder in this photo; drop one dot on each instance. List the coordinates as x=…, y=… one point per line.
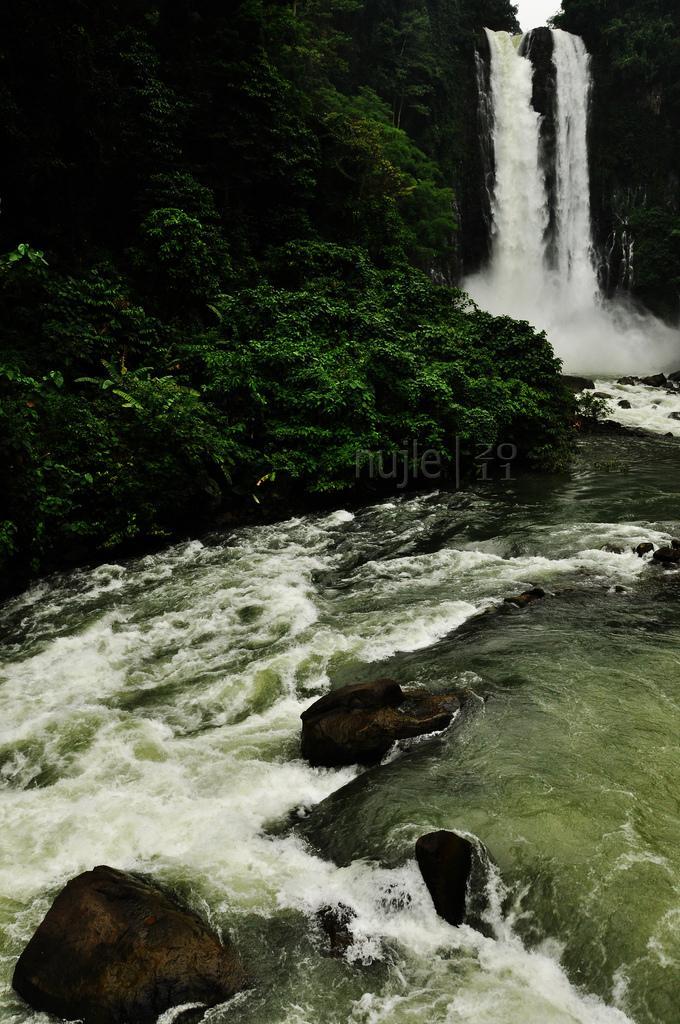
x=358, y=724
x=669, y=557
x=445, y=860
x=114, y=949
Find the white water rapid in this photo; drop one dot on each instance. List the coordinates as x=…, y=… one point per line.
x=550, y=278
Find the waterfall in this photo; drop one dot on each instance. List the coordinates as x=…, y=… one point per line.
x=542, y=259
x=519, y=205
x=574, y=247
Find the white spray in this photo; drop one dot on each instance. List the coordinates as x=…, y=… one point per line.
x=589, y=334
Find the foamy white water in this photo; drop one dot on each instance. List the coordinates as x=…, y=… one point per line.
x=589, y=334
x=653, y=409
x=575, y=271
x=150, y=719
x=519, y=203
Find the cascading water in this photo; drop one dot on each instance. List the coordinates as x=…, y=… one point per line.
x=519, y=206
x=575, y=268
x=542, y=266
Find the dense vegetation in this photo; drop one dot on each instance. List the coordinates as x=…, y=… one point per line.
x=635, y=140
x=228, y=235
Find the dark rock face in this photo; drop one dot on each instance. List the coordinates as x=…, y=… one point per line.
x=644, y=549
x=675, y=377
x=624, y=404
x=114, y=949
x=657, y=380
x=577, y=384
x=669, y=558
x=358, y=724
x=628, y=380
x=445, y=861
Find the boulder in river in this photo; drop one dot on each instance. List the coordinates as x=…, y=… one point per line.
x=643, y=549
x=657, y=380
x=624, y=404
x=668, y=557
x=336, y=923
x=527, y=597
x=113, y=948
x=674, y=416
x=577, y=384
x=445, y=860
x=358, y=724
x=675, y=377
x=628, y=381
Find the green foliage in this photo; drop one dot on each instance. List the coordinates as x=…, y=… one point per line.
x=236, y=214
x=184, y=259
x=592, y=410
x=357, y=359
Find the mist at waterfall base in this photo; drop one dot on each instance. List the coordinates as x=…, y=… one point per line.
x=545, y=273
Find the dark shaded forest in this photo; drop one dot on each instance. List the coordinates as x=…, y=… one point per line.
x=635, y=143
x=231, y=236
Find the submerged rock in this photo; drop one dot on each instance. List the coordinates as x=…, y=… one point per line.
x=624, y=404
x=335, y=922
x=643, y=549
x=358, y=724
x=657, y=380
x=113, y=948
x=668, y=557
x=445, y=860
x=528, y=597
x=614, y=549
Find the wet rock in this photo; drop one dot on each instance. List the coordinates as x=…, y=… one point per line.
x=335, y=922
x=577, y=384
x=445, y=860
x=628, y=381
x=643, y=549
x=668, y=557
x=528, y=597
x=113, y=948
x=618, y=589
x=675, y=377
x=614, y=549
x=624, y=404
x=674, y=416
x=601, y=394
x=675, y=543
x=358, y=724
x=657, y=380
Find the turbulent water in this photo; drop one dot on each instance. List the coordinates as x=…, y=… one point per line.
x=150, y=720
x=549, y=277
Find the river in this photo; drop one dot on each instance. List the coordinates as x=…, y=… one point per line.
x=150, y=720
